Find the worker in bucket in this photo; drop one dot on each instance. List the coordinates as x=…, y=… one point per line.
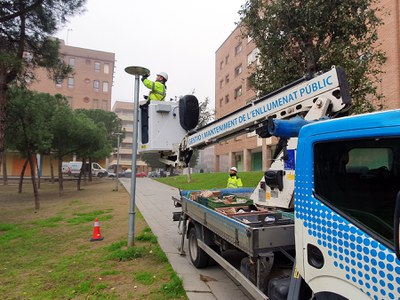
x=158, y=89
x=234, y=181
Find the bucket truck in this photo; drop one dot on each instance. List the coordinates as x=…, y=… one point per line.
x=323, y=222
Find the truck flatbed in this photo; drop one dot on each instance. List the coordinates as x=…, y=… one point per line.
x=249, y=239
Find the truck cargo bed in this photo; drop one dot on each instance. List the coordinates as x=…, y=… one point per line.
x=250, y=238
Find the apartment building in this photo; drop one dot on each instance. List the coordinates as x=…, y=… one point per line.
x=124, y=110
x=234, y=60
x=89, y=86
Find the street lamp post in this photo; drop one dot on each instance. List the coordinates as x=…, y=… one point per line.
x=136, y=71
x=116, y=171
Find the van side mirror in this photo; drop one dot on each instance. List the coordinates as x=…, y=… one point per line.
x=396, y=226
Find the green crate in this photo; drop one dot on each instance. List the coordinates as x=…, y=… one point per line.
x=286, y=214
x=216, y=204
x=202, y=201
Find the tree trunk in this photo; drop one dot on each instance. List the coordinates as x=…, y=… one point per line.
x=51, y=169
x=90, y=170
x=21, y=176
x=35, y=189
x=189, y=176
x=38, y=172
x=3, y=93
x=3, y=162
x=78, y=183
x=171, y=170
x=311, y=59
x=82, y=172
x=60, y=177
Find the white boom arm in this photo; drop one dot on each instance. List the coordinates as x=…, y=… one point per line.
x=294, y=99
x=162, y=133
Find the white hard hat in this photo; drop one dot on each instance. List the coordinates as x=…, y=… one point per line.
x=233, y=169
x=163, y=74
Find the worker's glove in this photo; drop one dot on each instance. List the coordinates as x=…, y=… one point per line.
x=145, y=76
x=145, y=105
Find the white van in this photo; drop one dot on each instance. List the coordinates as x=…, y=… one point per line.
x=74, y=168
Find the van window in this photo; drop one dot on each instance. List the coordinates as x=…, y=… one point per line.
x=360, y=179
x=96, y=166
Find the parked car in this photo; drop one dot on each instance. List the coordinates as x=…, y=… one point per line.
x=125, y=173
x=153, y=174
x=141, y=174
x=112, y=175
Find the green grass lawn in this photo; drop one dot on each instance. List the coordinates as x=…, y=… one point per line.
x=206, y=181
x=47, y=254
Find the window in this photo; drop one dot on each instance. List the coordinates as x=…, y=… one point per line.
x=97, y=66
x=72, y=61
x=221, y=64
x=104, y=104
x=221, y=101
x=238, y=92
x=226, y=98
x=96, y=85
x=126, y=157
x=221, y=83
x=360, y=179
x=106, y=68
x=238, y=49
x=69, y=100
x=226, y=78
x=58, y=81
x=95, y=103
x=226, y=59
x=126, y=145
x=105, y=87
x=238, y=70
x=70, y=82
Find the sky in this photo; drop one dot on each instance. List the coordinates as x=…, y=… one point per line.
x=179, y=37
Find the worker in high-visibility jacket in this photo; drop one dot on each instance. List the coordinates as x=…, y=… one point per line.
x=158, y=89
x=234, y=181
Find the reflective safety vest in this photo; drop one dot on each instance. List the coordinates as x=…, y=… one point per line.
x=157, y=89
x=234, y=182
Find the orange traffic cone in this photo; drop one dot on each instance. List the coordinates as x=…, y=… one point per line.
x=96, y=231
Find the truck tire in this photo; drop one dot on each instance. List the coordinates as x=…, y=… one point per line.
x=198, y=256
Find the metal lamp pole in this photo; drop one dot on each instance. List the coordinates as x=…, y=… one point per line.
x=116, y=171
x=137, y=71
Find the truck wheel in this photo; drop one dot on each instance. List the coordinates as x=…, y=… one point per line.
x=198, y=256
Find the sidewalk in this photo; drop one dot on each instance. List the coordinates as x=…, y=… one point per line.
x=153, y=199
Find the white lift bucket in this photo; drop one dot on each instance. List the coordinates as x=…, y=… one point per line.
x=159, y=127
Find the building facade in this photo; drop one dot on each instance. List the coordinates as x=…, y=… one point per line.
x=389, y=38
x=234, y=62
x=89, y=86
x=124, y=111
